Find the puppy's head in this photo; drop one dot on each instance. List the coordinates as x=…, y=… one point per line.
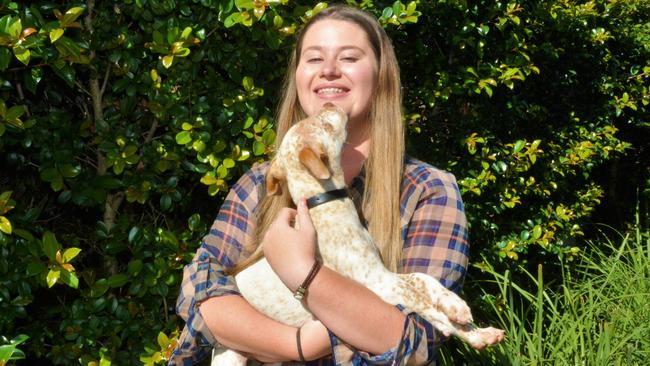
x=312, y=145
x=312, y=156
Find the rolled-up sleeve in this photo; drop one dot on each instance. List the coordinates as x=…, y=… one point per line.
x=229, y=240
x=435, y=235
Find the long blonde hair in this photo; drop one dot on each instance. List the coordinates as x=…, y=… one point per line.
x=381, y=198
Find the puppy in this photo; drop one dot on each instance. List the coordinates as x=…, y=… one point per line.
x=308, y=164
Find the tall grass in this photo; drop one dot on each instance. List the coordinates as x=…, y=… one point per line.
x=597, y=314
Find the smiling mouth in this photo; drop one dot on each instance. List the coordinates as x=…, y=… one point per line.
x=330, y=91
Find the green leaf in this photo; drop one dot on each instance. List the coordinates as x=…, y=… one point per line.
x=186, y=32
x=232, y=19
x=133, y=234
x=5, y=58
x=247, y=82
x=134, y=267
x=68, y=47
x=209, y=180
x=258, y=148
x=172, y=35
x=411, y=7
x=167, y=61
x=500, y=166
x=182, y=52
x=52, y=276
x=244, y=4
x=70, y=253
x=165, y=202
x=5, y=197
x=397, y=7
x=32, y=78
x=518, y=146
x=65, y=72
x=387, y=13
x=22, y=54
x=194, y=222
x=118, y=280
x=537, y=232
x=55, y=34
x=5, y=225
x=163, y=340
x=15, y=27
x=228, y=163
x=183, y=137
x=35, y=268
x=50, y=245
x=70, y=279
x=69, y=171
x=71, y=15
x=99, y=288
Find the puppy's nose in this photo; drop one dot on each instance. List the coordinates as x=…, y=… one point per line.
x=329, y=105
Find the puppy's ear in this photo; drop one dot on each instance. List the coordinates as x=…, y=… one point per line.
x=274, y=176
x=315, y=159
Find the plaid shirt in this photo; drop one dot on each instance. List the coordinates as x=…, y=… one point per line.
x=434, y=230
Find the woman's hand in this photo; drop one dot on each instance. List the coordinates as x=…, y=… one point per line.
x=291, y=251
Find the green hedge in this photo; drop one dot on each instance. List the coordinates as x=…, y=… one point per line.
x=122, y=125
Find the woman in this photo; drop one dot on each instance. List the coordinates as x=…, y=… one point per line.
x=413, y=211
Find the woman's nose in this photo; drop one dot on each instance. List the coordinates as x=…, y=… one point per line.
x=330, y=68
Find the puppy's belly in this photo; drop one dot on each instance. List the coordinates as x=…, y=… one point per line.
x=264, y=290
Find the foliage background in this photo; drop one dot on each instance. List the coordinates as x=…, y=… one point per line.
x=122, y=125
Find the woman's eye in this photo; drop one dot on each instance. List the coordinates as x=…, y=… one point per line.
x=314, y=59
x=350, y=59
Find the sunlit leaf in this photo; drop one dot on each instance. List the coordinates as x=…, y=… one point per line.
x=5, y=225
x=71, y=15
x=184, y=137
x=52, y=277
x=22, y=54
x=70, y=253
x=167, y=61
x=55, y=34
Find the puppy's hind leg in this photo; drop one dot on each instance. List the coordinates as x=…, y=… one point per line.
x=449, y=314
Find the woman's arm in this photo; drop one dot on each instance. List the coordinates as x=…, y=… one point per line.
x=238, y=326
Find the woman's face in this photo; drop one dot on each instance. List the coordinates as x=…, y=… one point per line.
x=337, y=65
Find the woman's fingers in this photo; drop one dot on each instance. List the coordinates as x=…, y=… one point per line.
x=304, y=218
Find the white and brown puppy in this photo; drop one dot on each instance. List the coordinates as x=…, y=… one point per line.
x=308, y=164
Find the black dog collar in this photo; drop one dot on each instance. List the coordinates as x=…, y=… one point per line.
x=325, y=197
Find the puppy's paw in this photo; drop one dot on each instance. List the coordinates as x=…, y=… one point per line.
x=445, y=301
x=454, y=308
x=480, y=338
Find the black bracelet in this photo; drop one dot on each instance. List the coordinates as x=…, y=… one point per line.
x=302, y=290
x=301, y=357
